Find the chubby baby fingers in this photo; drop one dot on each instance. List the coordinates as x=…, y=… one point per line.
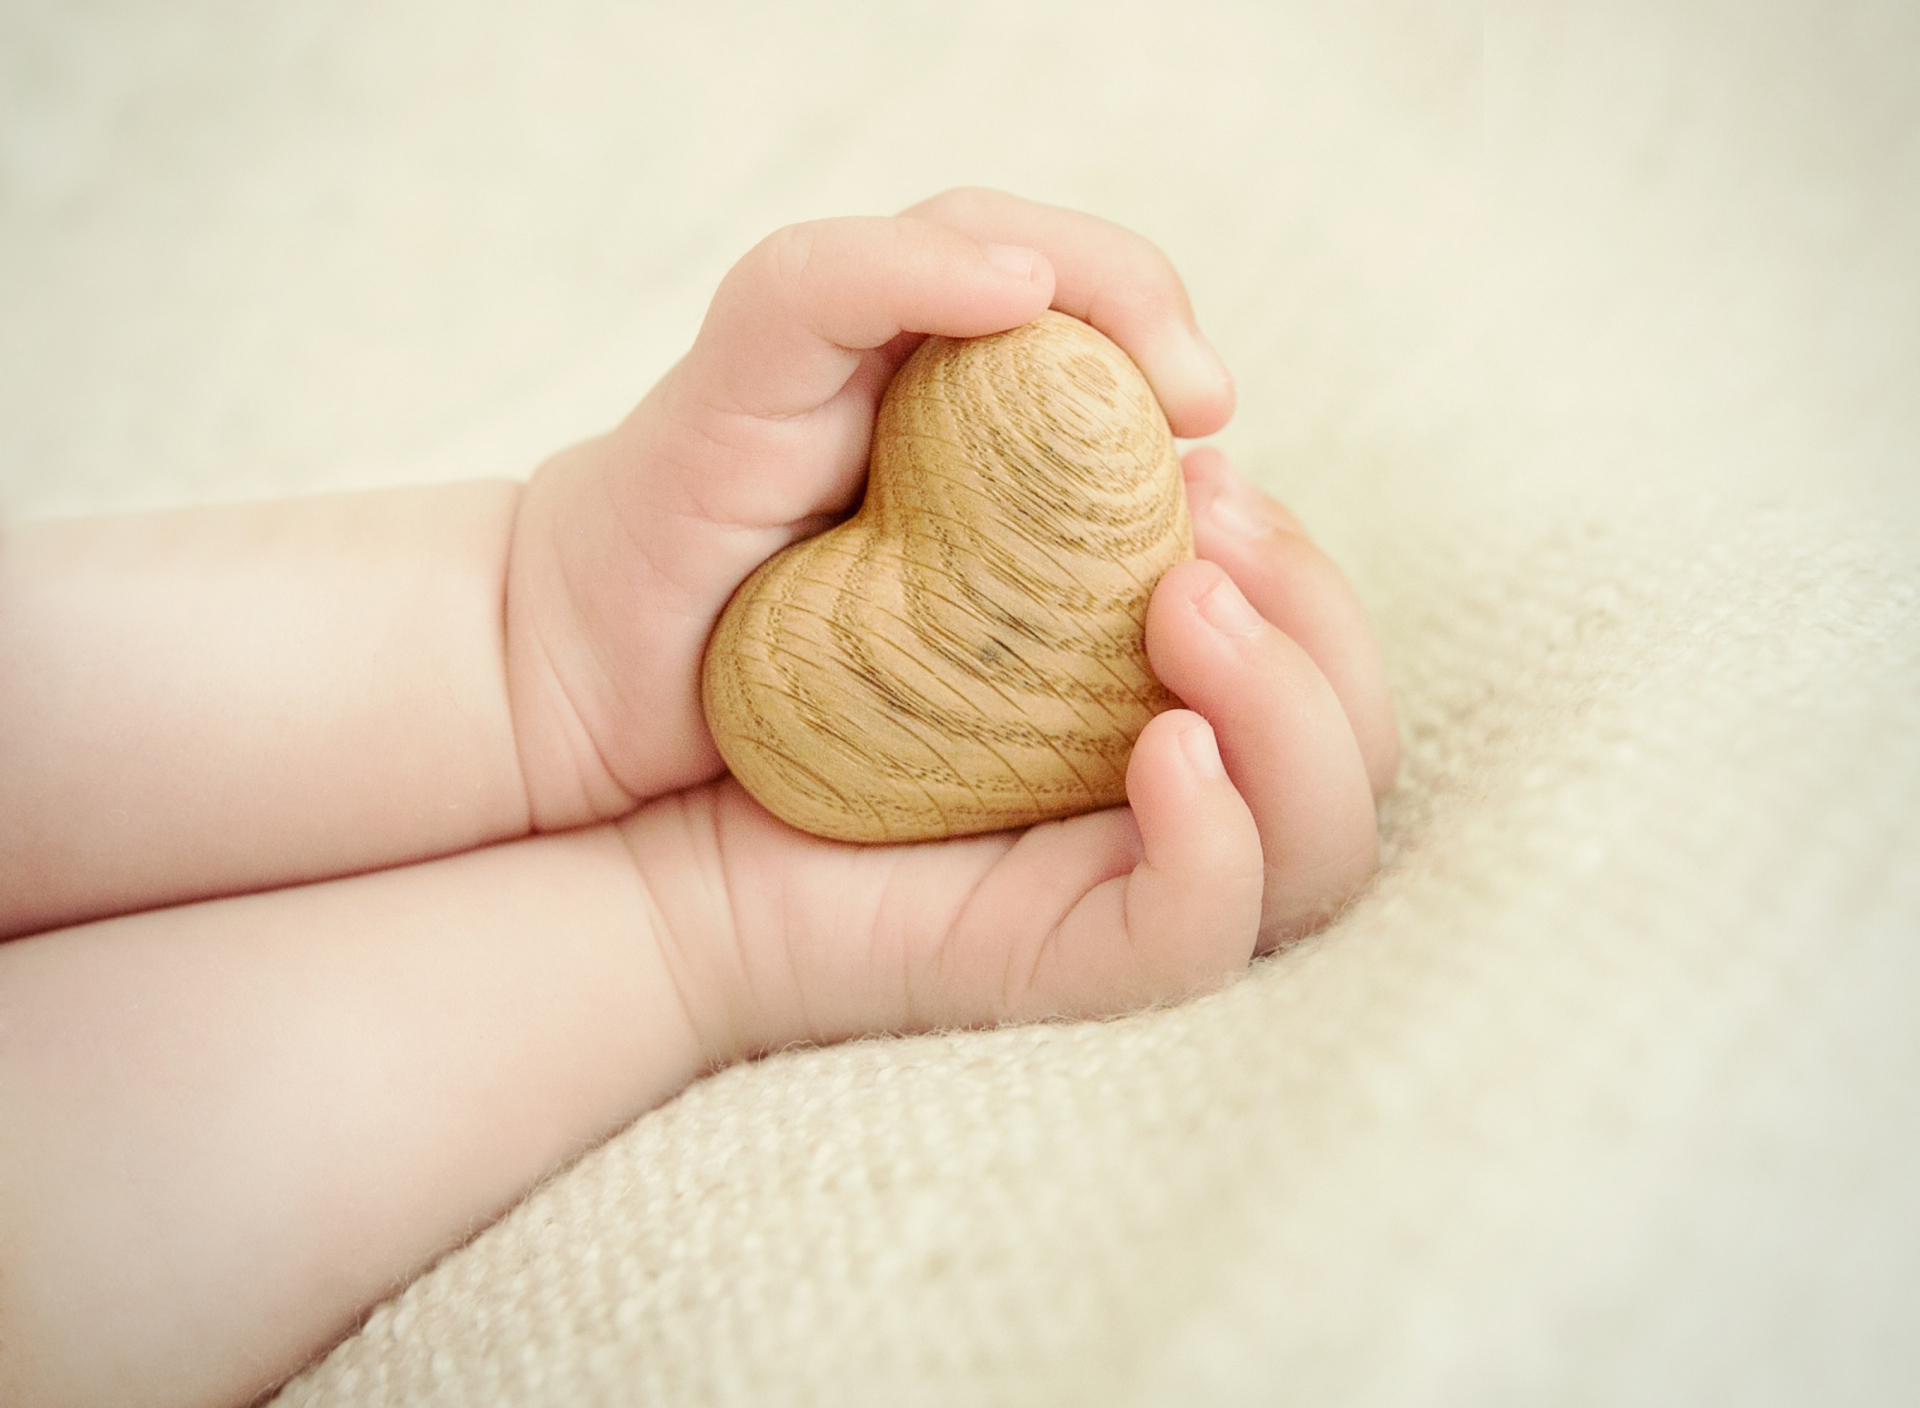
x=790, y=321
x=1300, y=590
x=1193, y=904
x=1126, y=908
x=1285, y=739
x=1117, y=280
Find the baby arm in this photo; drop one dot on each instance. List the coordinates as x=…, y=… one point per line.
x=215, y=700
x=228, y=1128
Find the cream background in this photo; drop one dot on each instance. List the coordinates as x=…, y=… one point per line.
x=1586, y=336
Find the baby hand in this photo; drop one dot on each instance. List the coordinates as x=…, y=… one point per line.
x=1250, y=820
x=1251, y=812
x=628, y=547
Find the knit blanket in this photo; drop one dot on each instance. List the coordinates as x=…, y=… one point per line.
x=1586, y=337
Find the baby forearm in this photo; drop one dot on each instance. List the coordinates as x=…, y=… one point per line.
x=231, y=1126
x=212, y=700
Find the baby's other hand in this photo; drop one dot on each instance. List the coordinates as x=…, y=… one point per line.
x=628, y=547
x=1250, y=822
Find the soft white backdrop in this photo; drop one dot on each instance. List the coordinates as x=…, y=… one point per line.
x=1586, y=335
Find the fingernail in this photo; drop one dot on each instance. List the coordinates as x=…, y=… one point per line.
x=1014, y=260
x=1227, y=611
x=1216, y=368
x=1191, y=375
x=1201, y=372
x=1235, y=512
x=1203, y=751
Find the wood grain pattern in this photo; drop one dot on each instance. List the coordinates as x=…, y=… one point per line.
x=965, y=653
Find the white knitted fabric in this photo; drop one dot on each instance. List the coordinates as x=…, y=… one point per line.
x=1587, y=337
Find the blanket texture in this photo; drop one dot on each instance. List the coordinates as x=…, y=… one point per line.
x=1585, y=336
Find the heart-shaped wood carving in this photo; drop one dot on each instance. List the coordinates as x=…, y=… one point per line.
x=966, y=653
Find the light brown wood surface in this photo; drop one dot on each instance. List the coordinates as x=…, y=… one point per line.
x=966, y=652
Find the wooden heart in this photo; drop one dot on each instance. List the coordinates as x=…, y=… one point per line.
x=966, y=653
